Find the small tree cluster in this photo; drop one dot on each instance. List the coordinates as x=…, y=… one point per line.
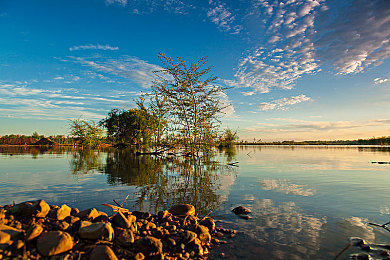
x=86, y=134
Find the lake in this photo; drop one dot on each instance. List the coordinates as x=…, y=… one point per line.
x=306, y=201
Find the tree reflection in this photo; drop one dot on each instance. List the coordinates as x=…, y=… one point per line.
x=161, y=181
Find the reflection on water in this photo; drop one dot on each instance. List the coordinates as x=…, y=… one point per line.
x=305, y=200
x=286, y=187
x=161, y=181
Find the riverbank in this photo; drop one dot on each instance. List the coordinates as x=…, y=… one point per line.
x=35, y=229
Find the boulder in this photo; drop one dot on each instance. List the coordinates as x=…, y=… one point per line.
x=182, y=210
x=54, y=243
x=102, y=252
x=148, y=245
x=96, y=231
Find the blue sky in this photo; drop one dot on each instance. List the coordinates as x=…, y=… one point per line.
x=299, y=69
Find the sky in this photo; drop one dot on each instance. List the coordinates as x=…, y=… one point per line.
x=294, y=69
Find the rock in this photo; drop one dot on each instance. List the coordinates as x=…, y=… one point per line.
x=123, y=220
x=88, y=214
x=74, y=211
x=148, y=245
x=209, y=223
x=4, y=237
x=71, y=219
x=125, y=237
x=102, y=252
x=244, y=216
x=203, y=234
x=139, y=256
x=38, y=208
x=33, y=232
x=101, y=218
x=54, y=243
x=182, y=210
x=163, y=214
x=95, y=231
x=60, y=213
x=11, y=232
x=18, y=245
x=241, y=210
x=189, y=236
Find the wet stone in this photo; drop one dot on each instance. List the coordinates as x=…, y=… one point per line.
x=241, y=210
x=209, y=223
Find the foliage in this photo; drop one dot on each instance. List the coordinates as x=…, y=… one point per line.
x=87, y=134
x=228, y=138
x=133, y=126
x=193, y=99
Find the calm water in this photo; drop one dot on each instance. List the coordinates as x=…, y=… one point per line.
x=305, y=200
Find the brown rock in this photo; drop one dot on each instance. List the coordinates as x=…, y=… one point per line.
x=54, y=243
x=95, y=231
x=102, y=252
x=9, y=232
x=123, y=220
x=88, y=214
x=189, y=236
x=33, y=232
x=241, y=210
x=139, y=256
x=60, y=213
x=38, y=208
x=203, y=234
x=209, y=223
x=182, y=210
x=148, y=245
x=125, y=237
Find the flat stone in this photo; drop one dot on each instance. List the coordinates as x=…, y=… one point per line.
x=33, y=232
x=96, y=230
x=182, y=210
x=54, y=243
x=148, y=245
x=102, y=252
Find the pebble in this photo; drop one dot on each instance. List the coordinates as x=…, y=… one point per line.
x=102, y=252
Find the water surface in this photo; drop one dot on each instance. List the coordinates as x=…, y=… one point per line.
x=305, y=200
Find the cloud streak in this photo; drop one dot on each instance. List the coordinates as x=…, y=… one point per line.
x=105, y=47
x=283, y=103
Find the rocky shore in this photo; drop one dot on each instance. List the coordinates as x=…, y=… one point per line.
x=36, y=230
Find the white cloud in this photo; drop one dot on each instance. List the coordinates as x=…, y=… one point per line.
x=283, y=103
x=94, y=47
x=129, y=67
x=121, y=2
x=380, y=80
x=220, y=15
x=357, y=38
